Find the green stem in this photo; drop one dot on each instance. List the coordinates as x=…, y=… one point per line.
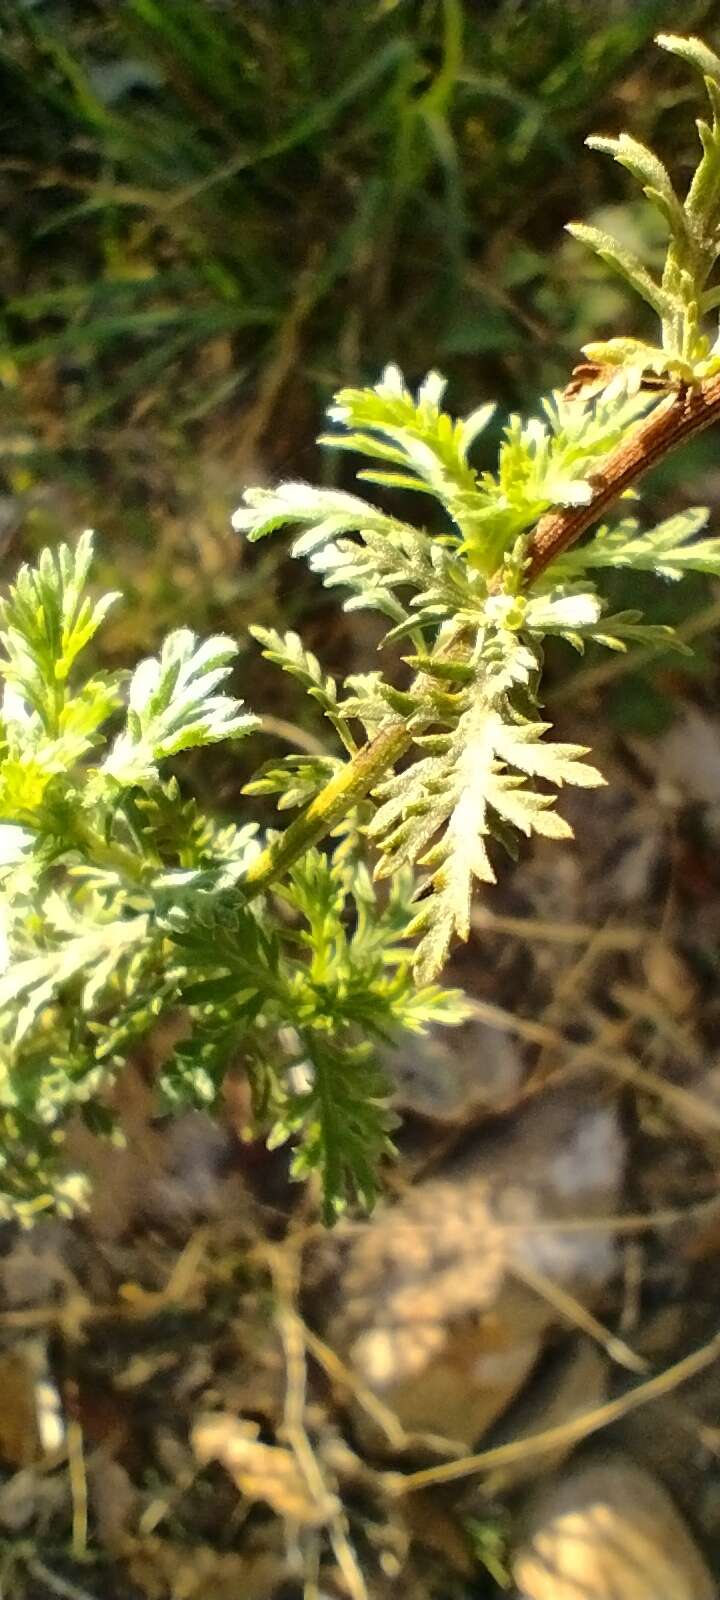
x=352, y=783
x=356, y=779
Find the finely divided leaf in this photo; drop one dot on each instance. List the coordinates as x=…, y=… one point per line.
x=172, y=706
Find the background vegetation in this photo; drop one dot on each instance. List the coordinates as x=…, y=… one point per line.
x=215, y=213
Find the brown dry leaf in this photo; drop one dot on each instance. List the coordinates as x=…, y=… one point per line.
x=606, y=1530
x=19, y=1437
x=468, y=1381
x=266, y=1472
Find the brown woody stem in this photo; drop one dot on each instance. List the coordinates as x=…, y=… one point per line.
x=685, y=413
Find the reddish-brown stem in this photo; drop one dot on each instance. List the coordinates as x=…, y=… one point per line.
x=684, y=413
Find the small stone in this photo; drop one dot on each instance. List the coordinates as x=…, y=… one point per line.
x=432, y=1312
x=687, y=757
x=607, y=1530
x=450, y=1075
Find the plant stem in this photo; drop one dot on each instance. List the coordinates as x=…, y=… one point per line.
x=685, y=413
x=355, y=780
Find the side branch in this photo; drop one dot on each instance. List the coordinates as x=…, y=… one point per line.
x=686, y=413
x=356, y=779
x=351, y=784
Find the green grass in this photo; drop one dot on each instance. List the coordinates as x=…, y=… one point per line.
x=216, y=211
x=288, y=185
